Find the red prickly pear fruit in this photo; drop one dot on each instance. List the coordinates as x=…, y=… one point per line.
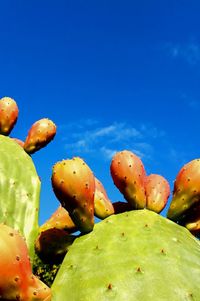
x=39, y=135
x=51, y=245
x=186, y=194
x=74, y=185
x=120, y=207
x=18, y=141
x=8, y=115
x=192, y=221
x=129, y=175
x=102, y=205
x=54, y=240
x=60, y=220
x=37, y=290
x=17, y=280
x=157, y=192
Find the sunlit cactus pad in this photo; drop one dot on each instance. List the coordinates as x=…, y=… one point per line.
x=137, y=255
x=19, y=190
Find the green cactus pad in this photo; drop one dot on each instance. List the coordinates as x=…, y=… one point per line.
x=19, y=190
x=133, y=256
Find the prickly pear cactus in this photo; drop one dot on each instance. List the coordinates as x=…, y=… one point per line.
x=19, y=190
x=134, y=256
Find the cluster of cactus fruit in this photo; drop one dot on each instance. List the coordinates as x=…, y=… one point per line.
x=132, y=254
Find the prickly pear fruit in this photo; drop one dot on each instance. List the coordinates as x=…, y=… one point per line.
x=74, y=185
x=18, y=141
x=120, y=207
x=39, y=135
x=133, y=256
x=102, y=205
x=54, y=240
x=37, y=291
x=186, y=194
x=191, y=220
x=52, y=244
x=157, y=192
x=60, y=220
x=129, y=175
x=8, y=115
x=17, y=281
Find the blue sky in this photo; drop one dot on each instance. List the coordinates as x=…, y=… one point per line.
x=112, y=75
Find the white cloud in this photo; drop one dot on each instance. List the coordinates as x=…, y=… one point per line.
x=104, y=141
x=107, y=152
x=104, y=131
x=189, y=52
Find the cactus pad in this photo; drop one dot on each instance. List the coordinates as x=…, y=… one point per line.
x=134, y=256
x=19, y=190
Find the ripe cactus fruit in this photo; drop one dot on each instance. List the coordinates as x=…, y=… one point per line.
x=17, y=281
x=8, y=115
x=129, y=175
x=19, y=191
x=186, y=194
x=157, y=192
x=60, y=220
x=39, y=135
x=192, y=221
x=136, y=255
x=74, y=185
x=102, y=205
x=52, y=244
x=54, y=240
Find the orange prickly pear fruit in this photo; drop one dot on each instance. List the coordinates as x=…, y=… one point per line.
x=192, y=221
x=157, y=192
x=186, y=194
x=74, y=185
x=37, y=290
x=8, y=115
x=60, y=220
x=51, y=245
x=17, y=281
x=102, y=205
x=39, y=135
x=54, y=236
x=129, y=175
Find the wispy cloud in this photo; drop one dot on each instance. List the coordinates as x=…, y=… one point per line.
x=189, y=52
x=105, y=140
x=190, y=101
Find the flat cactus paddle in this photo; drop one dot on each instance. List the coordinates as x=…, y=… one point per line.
x=19, y=191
